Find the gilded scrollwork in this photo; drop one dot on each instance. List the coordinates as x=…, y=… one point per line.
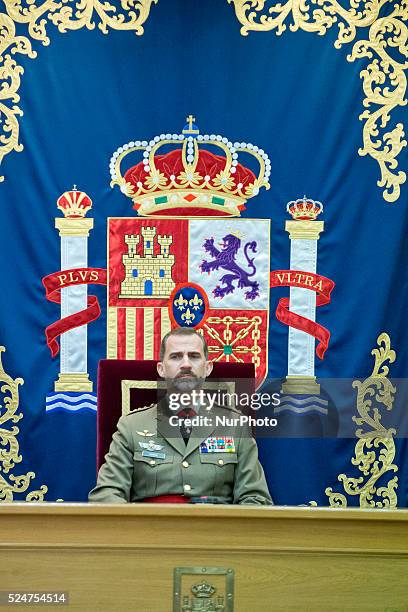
x=65, y=15
x=10, y=484
x=385, y=86
x=10, y=78
x=384, y=79
x=133, y=16
x=374, y=451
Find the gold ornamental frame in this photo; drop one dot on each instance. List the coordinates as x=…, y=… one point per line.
x=375, y=449
x=384, y=79
x=10, y=484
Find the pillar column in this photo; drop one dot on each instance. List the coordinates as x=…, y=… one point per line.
x=301, y=377
x=73, y=375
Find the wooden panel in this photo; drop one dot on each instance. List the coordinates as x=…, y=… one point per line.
x=122, y=557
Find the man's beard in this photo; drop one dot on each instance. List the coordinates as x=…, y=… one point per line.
x=184, y=383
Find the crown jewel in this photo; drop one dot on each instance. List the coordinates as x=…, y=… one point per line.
x=74, y=203
x=188, y=178
x=304, y=209
x=203, y=590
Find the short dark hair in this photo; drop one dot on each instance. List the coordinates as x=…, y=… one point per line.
x=182, y=331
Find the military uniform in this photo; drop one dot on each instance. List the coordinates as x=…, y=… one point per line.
x=132, y=474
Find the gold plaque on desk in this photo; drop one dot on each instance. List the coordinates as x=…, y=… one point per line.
x=203, y=589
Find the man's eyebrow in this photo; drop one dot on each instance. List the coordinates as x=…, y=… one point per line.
x=180, y=353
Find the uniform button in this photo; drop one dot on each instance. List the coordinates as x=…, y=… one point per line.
x=185, y=464
x=152, y=462
x=220, y=462
x=187, y=487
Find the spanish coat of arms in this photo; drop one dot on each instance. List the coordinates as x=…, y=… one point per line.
x=186, y=258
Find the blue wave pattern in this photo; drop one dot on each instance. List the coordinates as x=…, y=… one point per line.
x=309, y=405
x=71, y=402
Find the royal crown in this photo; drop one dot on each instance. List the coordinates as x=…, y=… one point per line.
x=304, y=209
x=74, y=203
x=188, y=179
x=203, y=590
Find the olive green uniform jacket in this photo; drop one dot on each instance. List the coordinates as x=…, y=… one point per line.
x=128, y=476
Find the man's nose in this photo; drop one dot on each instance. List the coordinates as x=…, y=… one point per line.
x=185, y=362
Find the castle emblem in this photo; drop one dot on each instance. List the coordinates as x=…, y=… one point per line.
x=148, y=273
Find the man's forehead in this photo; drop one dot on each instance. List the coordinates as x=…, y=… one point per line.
x=182, y=343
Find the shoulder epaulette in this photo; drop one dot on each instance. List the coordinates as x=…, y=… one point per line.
x=142, y=409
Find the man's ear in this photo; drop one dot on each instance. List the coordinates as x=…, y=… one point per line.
x=209, y=368
x=160, y=369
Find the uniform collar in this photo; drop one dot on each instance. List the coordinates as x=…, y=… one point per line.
x=172, y=433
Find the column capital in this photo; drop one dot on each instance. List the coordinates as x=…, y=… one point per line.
x=301, y=385
x=304, y=230
x=73, y=382
x=73, y=227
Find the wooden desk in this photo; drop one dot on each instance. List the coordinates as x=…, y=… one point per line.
x=120, y=558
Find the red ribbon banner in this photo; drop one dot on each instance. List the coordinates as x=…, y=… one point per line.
x=53, y=284
x=306, y=280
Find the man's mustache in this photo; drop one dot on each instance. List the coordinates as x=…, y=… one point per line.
x=184, y=374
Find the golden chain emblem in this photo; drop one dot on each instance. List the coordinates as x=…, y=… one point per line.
x=228, y=347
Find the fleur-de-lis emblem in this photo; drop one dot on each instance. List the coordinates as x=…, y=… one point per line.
x=188, y=317
x=188, y=305
x=195, y=302
x=180, y=303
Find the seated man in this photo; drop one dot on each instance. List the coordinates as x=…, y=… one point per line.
x=155, y=454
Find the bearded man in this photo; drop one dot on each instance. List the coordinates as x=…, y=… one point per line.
x=162, y=455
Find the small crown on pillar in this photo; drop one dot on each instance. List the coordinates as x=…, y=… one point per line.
x=203, y=590
x=304, y=209
x=74, y=203
x=179, y=175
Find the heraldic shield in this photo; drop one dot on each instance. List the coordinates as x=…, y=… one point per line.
x=212, y=275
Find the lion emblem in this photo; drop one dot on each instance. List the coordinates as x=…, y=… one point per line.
x=226, y=258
